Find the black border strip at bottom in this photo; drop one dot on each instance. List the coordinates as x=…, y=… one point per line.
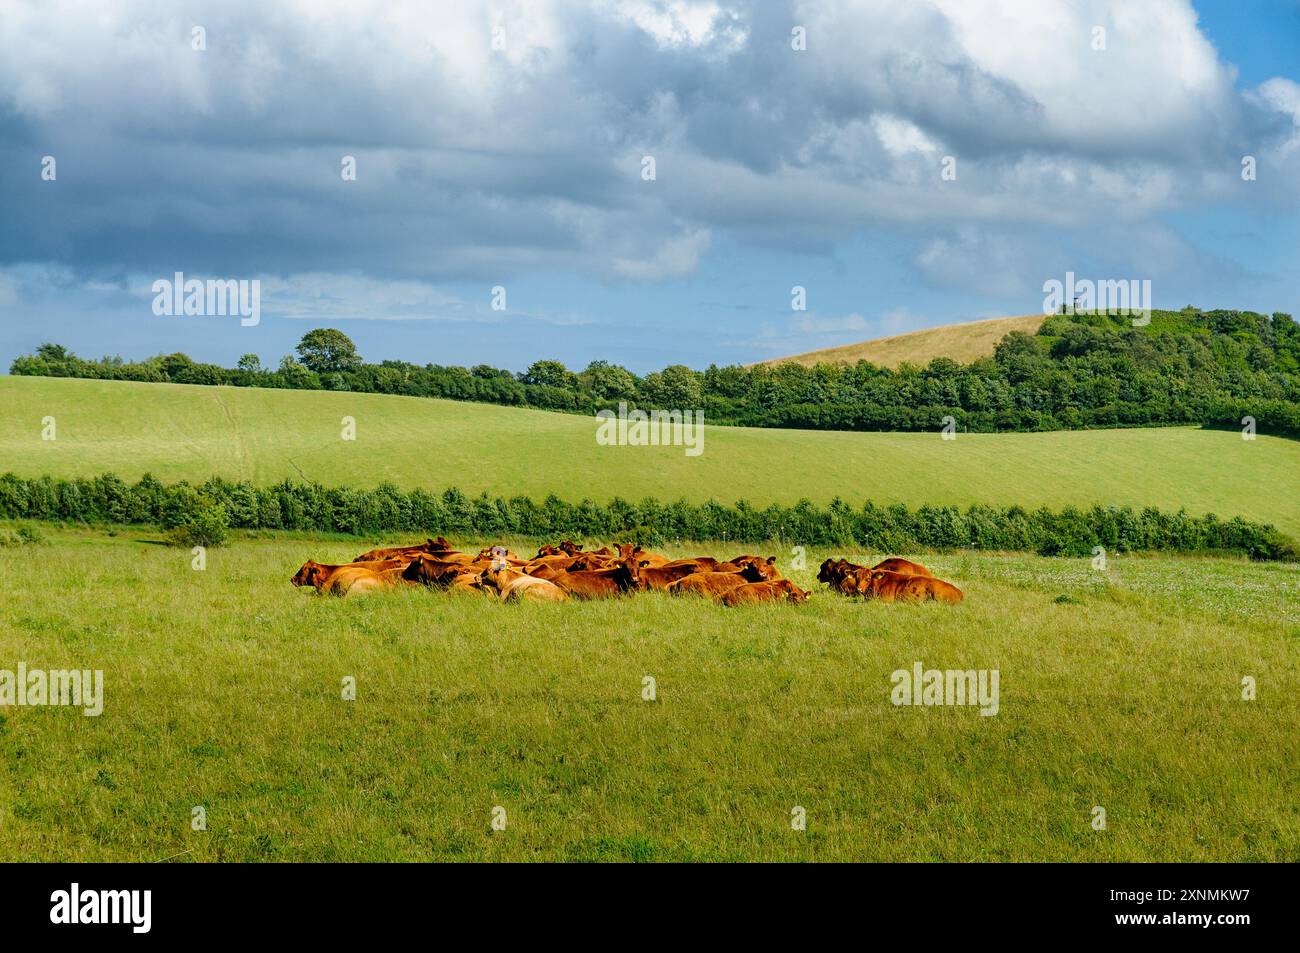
x=1211, y=902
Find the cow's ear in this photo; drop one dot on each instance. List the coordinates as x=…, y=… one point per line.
x=643, y=563
x=770, y=560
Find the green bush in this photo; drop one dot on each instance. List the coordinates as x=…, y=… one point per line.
x=202, y=516
x=21, y=535
x=204, y=523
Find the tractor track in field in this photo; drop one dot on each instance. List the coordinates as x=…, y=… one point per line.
x=242, y=456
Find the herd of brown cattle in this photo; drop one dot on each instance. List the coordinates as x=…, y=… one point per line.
x=559, y=573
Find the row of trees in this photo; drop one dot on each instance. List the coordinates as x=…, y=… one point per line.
x=206, y=510
x=1186, y=367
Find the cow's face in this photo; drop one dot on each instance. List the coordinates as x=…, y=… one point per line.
x=827, y=572
x=635, y=570
x=624, y=577
x=423, y=569
x=308, y=575
x=793, y=592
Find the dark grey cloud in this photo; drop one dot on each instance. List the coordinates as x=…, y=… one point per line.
x=477, y=164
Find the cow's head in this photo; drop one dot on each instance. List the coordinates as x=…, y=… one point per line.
x=833, y=570
x=428, y=570
x=874, y=582
x=569, y=548
x=635, y=570
x=624, y=577
x=793, y=592
x=310, y=574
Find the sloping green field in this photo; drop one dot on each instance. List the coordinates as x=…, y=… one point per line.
x=193, y=432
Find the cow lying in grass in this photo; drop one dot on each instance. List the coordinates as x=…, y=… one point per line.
x=903, y=587
x=555, y=574
x=715, y=583
x=340, y=580
x=778, y=590
x=514, y=586
x=890, y=580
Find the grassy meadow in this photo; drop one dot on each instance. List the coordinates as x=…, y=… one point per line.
x=193, y=432
x=1119, y=689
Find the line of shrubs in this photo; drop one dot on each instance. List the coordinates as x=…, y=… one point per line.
x=1078, y=371
x=202, y=514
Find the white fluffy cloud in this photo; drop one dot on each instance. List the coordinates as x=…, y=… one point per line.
x=494, y=138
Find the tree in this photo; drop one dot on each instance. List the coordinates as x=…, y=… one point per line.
x=174, y=365
x=609, y=381
x=250, y=363
x=550, y=374
x=326, y=350
x=676, y=387
x=53, y=352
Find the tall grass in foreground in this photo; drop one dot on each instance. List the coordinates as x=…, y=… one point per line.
x=222, y=690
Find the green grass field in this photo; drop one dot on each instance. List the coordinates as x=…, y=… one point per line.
x=193, y=432
x=222, y=689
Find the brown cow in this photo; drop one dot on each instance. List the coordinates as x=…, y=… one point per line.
x=714, y=584
x=438, y=545
x=766, y=568
x=318, y=575
x=597, y=583
x=781, y=590
x=842, y=575
x=514, y=586
x=894, y=564
x=666, y=577
x=697, y=563
x=833, y=570
x=355, y=580
x=433, y=571
x=650, y=577
x=358, y=581
x=627, y=552
x=904, y=587
x=468, y=582
x=548, y=567
x=851, y=579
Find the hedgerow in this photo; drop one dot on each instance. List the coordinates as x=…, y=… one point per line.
x=1078, y=371
x=385, y=509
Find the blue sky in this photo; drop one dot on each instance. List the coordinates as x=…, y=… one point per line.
x=519, y=164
